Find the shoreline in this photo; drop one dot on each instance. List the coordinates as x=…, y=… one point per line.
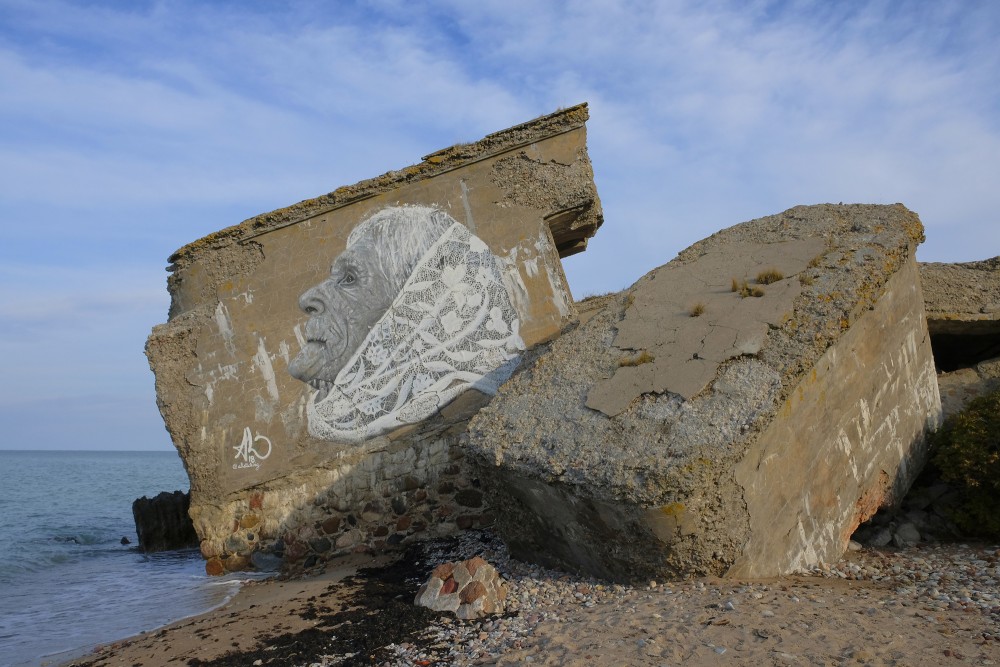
x=918, y=606
x=252, y=603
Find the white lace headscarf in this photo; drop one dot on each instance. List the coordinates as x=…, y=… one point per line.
x=452, y=327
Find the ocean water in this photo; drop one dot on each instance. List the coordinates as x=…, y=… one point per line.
x=66, y=581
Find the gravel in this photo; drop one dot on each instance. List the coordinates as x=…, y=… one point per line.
x=925, y=579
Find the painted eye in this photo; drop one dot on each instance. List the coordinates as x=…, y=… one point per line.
x=348, y=279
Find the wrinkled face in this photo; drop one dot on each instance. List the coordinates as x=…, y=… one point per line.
x=342, y=310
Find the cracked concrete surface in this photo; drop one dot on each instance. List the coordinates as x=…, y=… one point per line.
x=685, y=349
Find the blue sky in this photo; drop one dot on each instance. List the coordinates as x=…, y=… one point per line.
x=128, y=129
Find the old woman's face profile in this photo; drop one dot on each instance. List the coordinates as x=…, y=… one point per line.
x=363, y=281
x=414, y=311
x=342, y=310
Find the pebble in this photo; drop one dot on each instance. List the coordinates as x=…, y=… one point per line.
x=928, y=578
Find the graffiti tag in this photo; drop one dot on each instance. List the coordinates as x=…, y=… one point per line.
x=250, y=451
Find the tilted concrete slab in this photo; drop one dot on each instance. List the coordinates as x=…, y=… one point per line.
x=321, y=361
x=684, y=428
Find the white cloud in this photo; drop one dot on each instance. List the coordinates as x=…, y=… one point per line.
x=125, y=124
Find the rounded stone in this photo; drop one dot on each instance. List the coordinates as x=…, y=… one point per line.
x=320, y=545
x=214, y=567
x=331, y=525
x=469, y=498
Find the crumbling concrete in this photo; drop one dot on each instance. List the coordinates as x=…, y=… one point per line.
x=739, y=411
x=320, y=362
x=963, y=316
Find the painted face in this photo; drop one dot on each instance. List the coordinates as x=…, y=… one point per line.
x=342, y=310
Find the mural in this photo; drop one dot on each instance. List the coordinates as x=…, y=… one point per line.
x=414, y=312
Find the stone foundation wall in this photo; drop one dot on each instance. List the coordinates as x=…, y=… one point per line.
x=373, y=503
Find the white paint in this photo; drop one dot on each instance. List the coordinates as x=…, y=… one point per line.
x=246, y=296
x=560, y=295
x=253, y=450
x=531, y=267
x=225, y=327
x=263, y=361
x=452, y=327
x=283, y=351
x=299, y=337
x=469, y=222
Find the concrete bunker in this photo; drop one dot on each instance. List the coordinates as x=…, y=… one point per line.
x=321, y=362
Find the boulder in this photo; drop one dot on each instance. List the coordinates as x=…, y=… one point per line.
x=162, y=523
x=738, y=411
x=469, y=589
x=320, y=362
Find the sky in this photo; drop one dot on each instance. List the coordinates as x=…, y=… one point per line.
x=128, y=129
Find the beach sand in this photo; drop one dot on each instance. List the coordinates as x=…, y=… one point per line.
x=931, y=605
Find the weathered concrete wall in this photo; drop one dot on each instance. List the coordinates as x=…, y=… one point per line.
x=689, y=426
x=848, y=440
x=320, y=361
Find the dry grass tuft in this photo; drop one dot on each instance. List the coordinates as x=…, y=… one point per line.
x=697, y=309
x=768, y=276
x=643, y=357
x=745, y=289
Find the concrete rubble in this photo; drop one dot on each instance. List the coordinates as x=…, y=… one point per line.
x=402, y=359
x=469, y=589
x=738, y=411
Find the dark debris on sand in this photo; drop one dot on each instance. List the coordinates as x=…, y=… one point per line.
x=375, y=608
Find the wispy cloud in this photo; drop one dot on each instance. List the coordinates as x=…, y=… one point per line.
x=129, y=129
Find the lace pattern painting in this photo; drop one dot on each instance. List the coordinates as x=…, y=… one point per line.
x=451, y=327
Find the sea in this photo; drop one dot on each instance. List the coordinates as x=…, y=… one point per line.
x=67, y=582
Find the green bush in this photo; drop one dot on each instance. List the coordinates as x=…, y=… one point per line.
x=967, y=451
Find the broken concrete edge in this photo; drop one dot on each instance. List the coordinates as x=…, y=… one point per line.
x=608, y=474
x=432, y=165
x=820, y=315
x=962, y=290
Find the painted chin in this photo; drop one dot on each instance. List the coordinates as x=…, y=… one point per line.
x=317, y=364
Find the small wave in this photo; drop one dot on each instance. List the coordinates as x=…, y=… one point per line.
x=82, y=539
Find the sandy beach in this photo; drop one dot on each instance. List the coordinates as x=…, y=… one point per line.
x=928, y=605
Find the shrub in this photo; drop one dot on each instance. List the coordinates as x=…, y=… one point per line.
x=967, y=451
x=697, y=309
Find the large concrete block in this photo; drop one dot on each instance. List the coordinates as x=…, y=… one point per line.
x=738, y=411
x=320, y=361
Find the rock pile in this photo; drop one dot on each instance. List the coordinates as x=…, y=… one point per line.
x=469, y=589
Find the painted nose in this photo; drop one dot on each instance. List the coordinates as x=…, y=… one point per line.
x=313, y=301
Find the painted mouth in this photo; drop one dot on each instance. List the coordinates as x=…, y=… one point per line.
x=322, y=388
